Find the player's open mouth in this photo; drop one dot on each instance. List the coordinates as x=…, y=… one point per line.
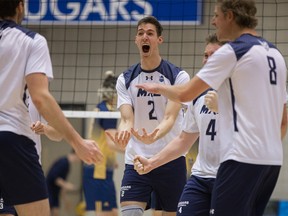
x=145, y=48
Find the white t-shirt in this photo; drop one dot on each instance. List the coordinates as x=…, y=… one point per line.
x=149, y=108
x=22, y=52
x=199, y=119
x=249, y=75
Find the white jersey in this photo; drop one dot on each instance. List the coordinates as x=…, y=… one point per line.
x=22, y=52
x=149, y=108
x=250, y=76
x=199, y=119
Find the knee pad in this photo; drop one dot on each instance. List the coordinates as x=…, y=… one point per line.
x=132, y=210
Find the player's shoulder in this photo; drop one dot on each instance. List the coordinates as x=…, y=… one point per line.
x=133, y=70
x=11, y=25
x=172, y=67
x=245, y=42
x=130, y=74
x=171, y=71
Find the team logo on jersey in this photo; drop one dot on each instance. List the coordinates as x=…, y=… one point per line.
x=143, y=93
x=206, y=110
x=149, y=77
x=161, y=78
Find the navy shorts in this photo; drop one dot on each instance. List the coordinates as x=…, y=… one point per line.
x=154, y=202
x=4, y=209
x=100, y=194
x=242, y=188
x=21, y=176
x=166, y=181
x=196, y=197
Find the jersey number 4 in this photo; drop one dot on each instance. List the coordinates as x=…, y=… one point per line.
x=211, y=131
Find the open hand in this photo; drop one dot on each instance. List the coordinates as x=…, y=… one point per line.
x=146, y=138
x=120, y=139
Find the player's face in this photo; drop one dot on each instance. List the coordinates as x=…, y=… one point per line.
x=221, y=23
x=209, y=50
x=147, y=39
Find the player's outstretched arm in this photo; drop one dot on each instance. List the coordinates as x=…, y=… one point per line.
x=87, y=150
x=177, y=147
x=178, y=93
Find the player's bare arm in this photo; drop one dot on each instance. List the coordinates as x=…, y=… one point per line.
x=284, y=122
x=178, y=93
x=177, y=147
x=87, y=150
x=42, y=128
x=122, y=136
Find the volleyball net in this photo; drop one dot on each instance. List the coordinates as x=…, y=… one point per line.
x=88, y=37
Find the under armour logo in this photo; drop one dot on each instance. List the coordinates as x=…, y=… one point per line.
x=212, y=211
x=147, y=77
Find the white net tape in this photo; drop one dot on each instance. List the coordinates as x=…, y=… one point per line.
x=90, y=114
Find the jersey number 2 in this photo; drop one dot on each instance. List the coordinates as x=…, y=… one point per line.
x=151, y=113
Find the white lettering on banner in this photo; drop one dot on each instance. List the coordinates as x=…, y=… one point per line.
x=75, y=7
x=148, y=10
x=90, y=8
x=116, y=8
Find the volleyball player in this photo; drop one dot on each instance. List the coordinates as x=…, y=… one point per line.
x=198, y=122
x=24, y=60
x=159, y=121
x=249, y=74
x=98, y=183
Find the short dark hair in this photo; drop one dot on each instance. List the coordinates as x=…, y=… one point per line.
x=154, y=21
x=8, y=8
x=243, y=10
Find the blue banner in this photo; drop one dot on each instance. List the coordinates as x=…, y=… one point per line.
x=174, y=12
